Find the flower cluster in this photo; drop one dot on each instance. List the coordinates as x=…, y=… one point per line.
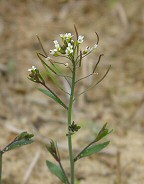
x=69, y=45
x=35, y=75
x=66, y=36
x=69, y=49
x=66, y=48
x=32, y=69
x=80, y=39
x=57, y=48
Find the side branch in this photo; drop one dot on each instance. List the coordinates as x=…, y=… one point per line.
x=76, y=31
x=42, y=46
x=97, y=37
x=97, y=63
x=93, y=70
x=94, y=84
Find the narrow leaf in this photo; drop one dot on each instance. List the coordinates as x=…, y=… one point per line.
x=55, y=98
x=103, y=132
x=56, y=170
x=49, y=71
x=24, y=135
x=21, y=140
x=44, y=63
x=93, y=149
x=17, y=144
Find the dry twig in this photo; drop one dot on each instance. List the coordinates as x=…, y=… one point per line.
x=31, y=167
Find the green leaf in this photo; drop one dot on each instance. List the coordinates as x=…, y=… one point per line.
x=53, y=150
x=21, y=140
x=18, y=144
x=51, y=95
x=93, y=149
x=24, y=135
x=103, y=132
x=49, y=71
x=56, y=170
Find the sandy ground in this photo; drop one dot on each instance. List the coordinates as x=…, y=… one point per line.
x=118, y=100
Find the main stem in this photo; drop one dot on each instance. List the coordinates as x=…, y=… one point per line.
x=70, y=108
x=0, y=167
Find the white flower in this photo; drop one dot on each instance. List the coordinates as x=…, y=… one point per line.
x=95, y=73
x=55, y=42
x=57, y=46
x=66, y=36
x=69, y=49
x=87, y=49
x=53, y=51
x=62, y=35
x=47, y=58
x=95, y=46
x=33, y=68
x=80, y=39
x=66, y=65
x=70, y=45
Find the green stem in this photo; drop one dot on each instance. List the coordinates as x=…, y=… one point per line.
x=67, y=181
x=69, y=123
x=0, y=167
x=77, y=157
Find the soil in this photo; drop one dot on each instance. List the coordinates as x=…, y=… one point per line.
x=118, y=99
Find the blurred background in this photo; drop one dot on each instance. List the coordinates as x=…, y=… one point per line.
x=118, y=100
